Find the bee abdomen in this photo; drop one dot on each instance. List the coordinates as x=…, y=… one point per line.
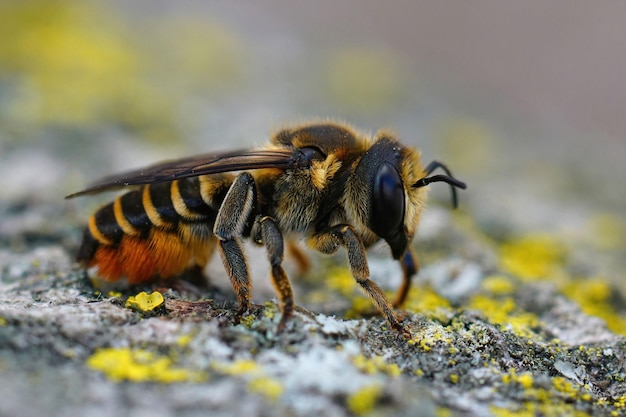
x=155, y=231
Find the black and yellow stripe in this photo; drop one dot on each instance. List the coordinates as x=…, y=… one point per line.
x=183, y=209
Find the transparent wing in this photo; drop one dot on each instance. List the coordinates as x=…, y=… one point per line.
x=211, y=163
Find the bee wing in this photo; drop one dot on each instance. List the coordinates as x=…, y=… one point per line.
x=194, y=166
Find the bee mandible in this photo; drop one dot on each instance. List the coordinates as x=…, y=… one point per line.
x=322, y=181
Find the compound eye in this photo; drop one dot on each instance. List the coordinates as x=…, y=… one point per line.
x=387, y=215
x=311, y=153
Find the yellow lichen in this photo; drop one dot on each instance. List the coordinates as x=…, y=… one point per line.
x=70, y=64
x=144, y=301
x=570, y=390
x=593, y=295
x=3, y=322
x=270, y=310
x=125, y=364
x=342, y=281
x=425, y=300
x=620, y=402
x=525, y=379
x=184, y=340
x=247, y=320
x=533, y=257
x=498, y=285
x=239, y=367
x=364, y=400
x=533, y=409
x=375, y=364
x=431, y=336
x=254, y=374
x=542, y=401
x=503, y=311
x=443, y=412
x=360, y=306
x=268, y=387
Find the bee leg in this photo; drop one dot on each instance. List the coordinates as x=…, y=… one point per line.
x=329, y=240
x=195, y=276
x=266, y=232
x=302, y=261
x=228, y=228
x=410, y=266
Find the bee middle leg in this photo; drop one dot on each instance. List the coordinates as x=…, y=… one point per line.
x=266, y=232
x=329, y=240
x=228, y=228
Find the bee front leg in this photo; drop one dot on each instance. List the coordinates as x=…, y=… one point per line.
x=328, y=241
x=228, y=228
x=266, y=232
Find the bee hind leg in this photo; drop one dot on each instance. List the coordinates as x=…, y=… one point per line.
x=229, y=225
x=266, y=232
x=297, y=254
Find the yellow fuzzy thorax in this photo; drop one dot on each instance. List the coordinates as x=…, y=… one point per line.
x=411, y=171
x=324, y=171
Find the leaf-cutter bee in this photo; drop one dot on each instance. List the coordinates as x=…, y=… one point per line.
x=323, y=181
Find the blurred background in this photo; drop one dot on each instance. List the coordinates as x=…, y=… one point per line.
x=524, y=101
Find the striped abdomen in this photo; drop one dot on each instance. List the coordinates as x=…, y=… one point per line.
x=156, y=231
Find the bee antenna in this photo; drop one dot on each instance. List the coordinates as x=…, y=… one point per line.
x=441, y=178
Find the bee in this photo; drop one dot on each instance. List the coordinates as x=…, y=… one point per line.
x=322, y=181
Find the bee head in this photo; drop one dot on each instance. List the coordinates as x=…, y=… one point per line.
x=392, y=182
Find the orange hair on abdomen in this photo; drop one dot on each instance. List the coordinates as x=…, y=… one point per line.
x=154, y=232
